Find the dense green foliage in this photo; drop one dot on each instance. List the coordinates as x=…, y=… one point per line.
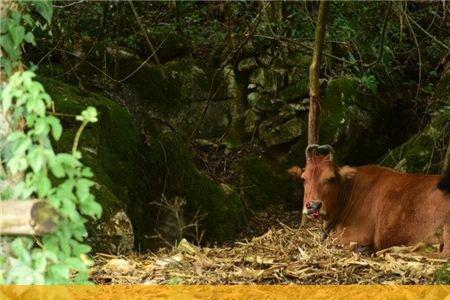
x=33, y=169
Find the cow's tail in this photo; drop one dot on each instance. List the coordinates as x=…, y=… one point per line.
x=444, y=183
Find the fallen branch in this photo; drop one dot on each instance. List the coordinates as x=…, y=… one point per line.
x=27, y=217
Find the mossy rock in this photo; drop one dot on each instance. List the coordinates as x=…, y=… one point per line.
x=424, y=152
x=112, y=148
x=443, y=88
x=131, y=176
x=277, y=132
x=265, y=183
x=295, y=92
x=174, y=175
x=352, y=121
x=296, y=155
x=171, y=44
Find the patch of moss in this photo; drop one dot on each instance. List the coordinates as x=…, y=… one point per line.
x=296, y=154
x=265, y=184
x=352, y=121
x=424, y=152
x=187, y=81
x=112, y=148
x=295, y=92
x=174, y=174
x=443, y=88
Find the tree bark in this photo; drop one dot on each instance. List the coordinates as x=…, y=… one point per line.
x=314, y=85
x=27, y=217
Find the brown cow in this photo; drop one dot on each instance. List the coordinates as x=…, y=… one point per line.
x=375, y=207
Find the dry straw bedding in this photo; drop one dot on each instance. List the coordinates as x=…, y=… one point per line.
x=283, y=255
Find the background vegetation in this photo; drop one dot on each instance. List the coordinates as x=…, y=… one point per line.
x=202, y=106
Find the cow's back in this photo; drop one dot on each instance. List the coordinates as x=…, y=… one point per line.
x=398, y=208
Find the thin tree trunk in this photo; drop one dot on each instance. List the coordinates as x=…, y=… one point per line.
x=314, y=86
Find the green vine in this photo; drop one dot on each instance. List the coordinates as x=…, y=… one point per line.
x=31, y=169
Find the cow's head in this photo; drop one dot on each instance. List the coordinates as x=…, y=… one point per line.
x=322, y=180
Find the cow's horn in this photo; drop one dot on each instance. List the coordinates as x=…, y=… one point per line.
x=309, y=149
x=330, y=150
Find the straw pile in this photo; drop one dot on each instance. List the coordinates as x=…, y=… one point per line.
x=282, y=255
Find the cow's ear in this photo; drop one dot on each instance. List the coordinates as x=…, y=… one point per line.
x=295, y=172
x=347, y=172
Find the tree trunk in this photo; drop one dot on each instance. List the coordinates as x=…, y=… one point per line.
x=27, y=217
x=314, y=86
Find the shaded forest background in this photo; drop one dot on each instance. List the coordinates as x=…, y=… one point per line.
x=203, y=105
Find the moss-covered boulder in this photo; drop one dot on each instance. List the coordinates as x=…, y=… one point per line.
x=264, y=183
x=175, y=177
x=113, y=149
x=443, y=88
x=137, y=181
x=295, y=92
x=352, y=121
x=276, y=132
x=423, y=152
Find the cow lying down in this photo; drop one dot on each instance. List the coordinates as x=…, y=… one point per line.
x=373, y=206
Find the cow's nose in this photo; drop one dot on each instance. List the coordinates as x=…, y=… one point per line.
x=314, y=206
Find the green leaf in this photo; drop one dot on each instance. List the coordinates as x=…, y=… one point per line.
x=28, y=19
x=36, y=159
x=29, y=38
x=21, y=145
x=41, y=127
x=83, y=186
x=56, y=127
x=57, y=168
x=88, y=115
x=17, y=164
x=59, y=271
x=79, y=248
x=39, y=261
x=44, y=187
x=7, y=43
x=92, y=208
x=45, y=9
x=20, y=249
x=15, y=15
x=17, y=35
x=75, y=264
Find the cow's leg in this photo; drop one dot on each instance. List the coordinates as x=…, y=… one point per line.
x=365, y=250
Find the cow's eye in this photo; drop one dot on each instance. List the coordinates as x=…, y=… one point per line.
x=331, y=180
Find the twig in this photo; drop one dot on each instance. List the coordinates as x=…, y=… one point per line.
x=144, y=32
x=288, y=40
x=427, y=33
x=248, y=34
x=418, y=53
x=77, y=137
x=383, y=31
x=68, y=5
x=104, y=73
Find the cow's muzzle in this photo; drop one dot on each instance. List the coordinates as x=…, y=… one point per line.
x=313, y=208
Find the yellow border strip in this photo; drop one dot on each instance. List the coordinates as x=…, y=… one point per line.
x=257, y=292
